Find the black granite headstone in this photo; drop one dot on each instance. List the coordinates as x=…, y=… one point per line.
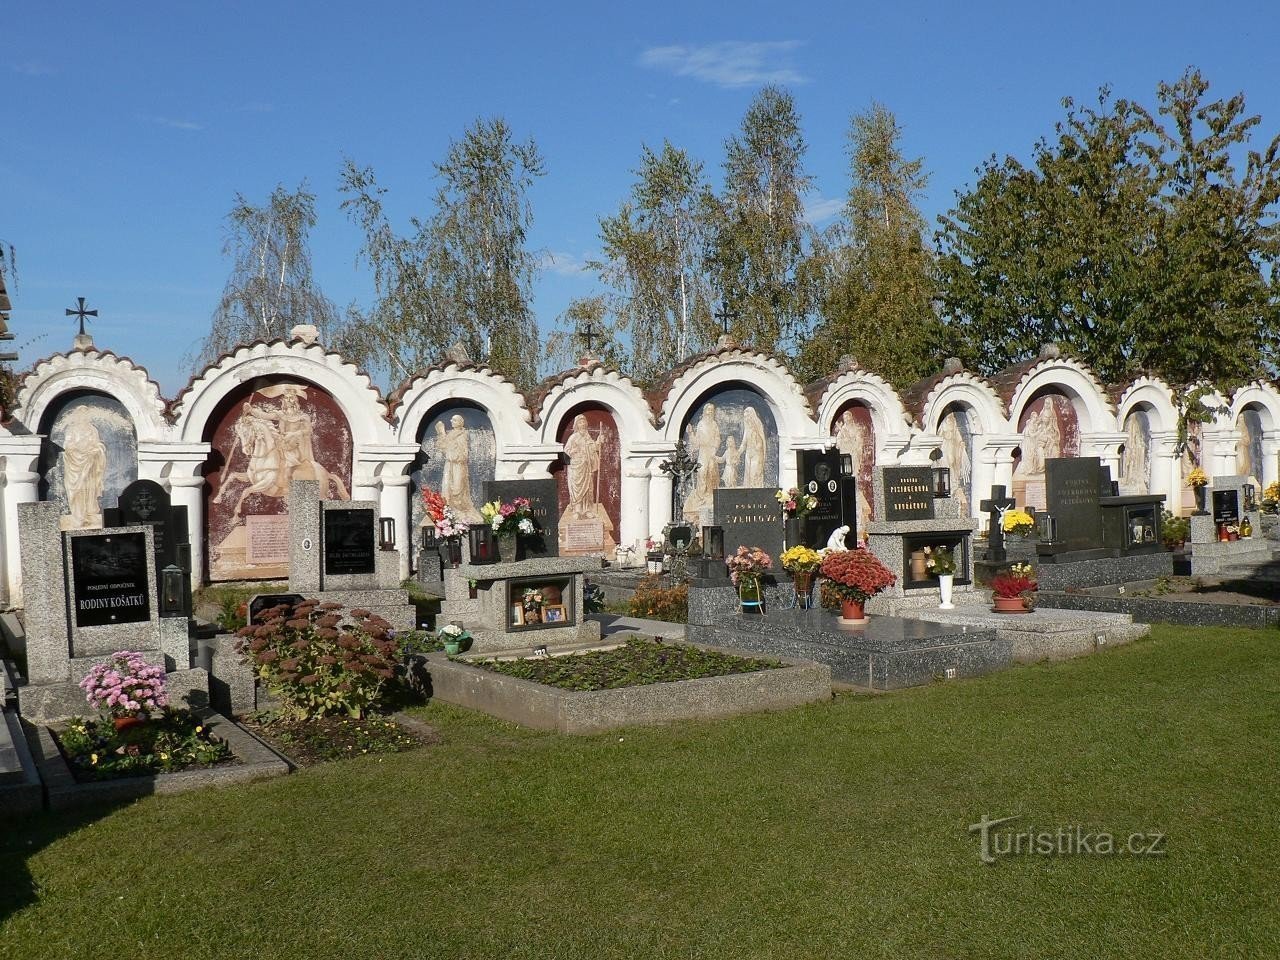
x=819, y=473
x=1226, y=506
x=1072, y=488
x=265, y=601
x=544, y=502
x=110, y=571
x=751, y=518
x=908, y=493
x=349, y=541
x=849, y=494
x=146, y=502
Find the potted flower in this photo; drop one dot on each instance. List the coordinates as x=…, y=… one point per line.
x=653, y=555
x=796, y=505
x=1271, y=497
x=855, y=576
x=509, y=521
x=747, y=568
x=448, y=527
x=126, y=688
x=1016, y=522
x=455, y=637
x=1012, y=589
x=802, y=563
x=1197, y=480
x=532, y=603
x=941, y=562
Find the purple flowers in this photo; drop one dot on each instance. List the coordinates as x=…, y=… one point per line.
x=126, y=686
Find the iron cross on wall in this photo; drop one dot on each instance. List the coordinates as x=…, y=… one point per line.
x=81, y=312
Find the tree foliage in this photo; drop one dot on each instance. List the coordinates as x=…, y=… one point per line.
x=270, y=289
x=1137, y=244
x=879, y=279
x=463, y=274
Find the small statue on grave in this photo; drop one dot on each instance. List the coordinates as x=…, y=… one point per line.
x=84, y=467
x=836, y=540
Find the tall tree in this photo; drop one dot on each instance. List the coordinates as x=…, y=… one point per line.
x=760, y=238
x=652, y=253
x=464, y=274
x=1136, y=246
x=270, y=288
x=880, y=282
x=566, y=344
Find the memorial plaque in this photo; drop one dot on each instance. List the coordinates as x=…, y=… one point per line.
x=1226, y=506
x=1073, y=488
x=544, y=502
x=349, y=541
x=582, y=537
x=750, y=518
x=110, y=574
x=908, y=493
x=268, y=538
x=819, y=473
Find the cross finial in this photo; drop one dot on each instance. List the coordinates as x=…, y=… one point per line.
x=588, y=333
x=81, y=312
x=726, y=317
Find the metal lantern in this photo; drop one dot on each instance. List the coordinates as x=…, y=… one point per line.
x=1250, y=493
x=387, y=533
x=846, y=464
x=480, y=540
x=428, y=539
x=1047, y=528
x=171, y=591
x=713, y=542
x=941, y=482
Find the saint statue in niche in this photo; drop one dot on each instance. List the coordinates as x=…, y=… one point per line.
x=851, y=438
x=754, y=450
x=455, y=484
x=84, y=465
x=1041, y=439
x=732, y=461
x=583, y=451
x=955, y=454
x=706, y=450
x=1135, y=466
x=277, y=446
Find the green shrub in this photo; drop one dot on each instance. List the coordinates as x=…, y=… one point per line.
x=317, y=665
x=1174, y=531
x=656, y=599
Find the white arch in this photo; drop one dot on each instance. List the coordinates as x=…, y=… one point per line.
x=760, y=372
x=1093, y=409
x=98, y=371
x=505, y=405
x=351, y=388
x=1261, y=395
x=610, y=389
x=889, y=415
x=1151, y=392
x=971, y=391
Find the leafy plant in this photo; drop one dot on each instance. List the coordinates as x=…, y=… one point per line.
x=174, y=740
x=317, y=665
x=854, y=575
x=748, y=563
x=656, y=599
x=939, y=560
x=800, y=559
x=1014, y=582
x=592, y=597
x=126, y=686
x=1174, y=530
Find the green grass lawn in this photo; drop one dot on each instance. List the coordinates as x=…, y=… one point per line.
x=836, y=830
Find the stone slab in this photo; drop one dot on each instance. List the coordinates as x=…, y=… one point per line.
x=1157, y=610
x=584, y=712
x=1092, y=573
x=44, y=611
x=20, y=789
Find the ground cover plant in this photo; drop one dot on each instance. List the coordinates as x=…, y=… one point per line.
x=833, y=830
x=168, y=742
x=655, y=598
x=308, y=742
x=639, y=661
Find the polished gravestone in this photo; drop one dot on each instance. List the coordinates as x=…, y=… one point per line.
x=819, y=476
x=1073, y=495
x=349, y=541
x=750, y=517
x=544, y=503
x=908, y=493
x=109, y=580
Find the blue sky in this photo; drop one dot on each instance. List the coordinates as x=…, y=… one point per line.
x=126, y=129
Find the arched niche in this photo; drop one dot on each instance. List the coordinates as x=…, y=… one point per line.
x=1136, y=454
x=730, y=430
x=590, y=500
x=89, y=454
x=457, y=455
x=263, y=436
x=854, y=429
x=958, y=424
x=1251, y=422
x=1050, y=427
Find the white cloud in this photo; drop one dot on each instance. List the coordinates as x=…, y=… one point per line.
x=820, y=209
x=34, y=68
x=565, y=264
x=730, y=63
x=172, y=123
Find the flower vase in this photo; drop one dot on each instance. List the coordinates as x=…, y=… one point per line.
x=803, y=583
x=852, y=612
x=453, y=647
x=507, y=549
x=750, y=594
x=945, y=582
x=795, y=531
x=1200, y=498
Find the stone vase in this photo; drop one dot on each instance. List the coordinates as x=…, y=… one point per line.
x=945, y=583
x=1199, y=493
x=852, y=612
x=795, y=531
x=508, y=548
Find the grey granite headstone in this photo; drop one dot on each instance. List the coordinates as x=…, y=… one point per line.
x=1072, y=487
x=544, y=502
x=750, y=518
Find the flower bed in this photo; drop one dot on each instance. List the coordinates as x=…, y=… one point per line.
x=640, y=661
x=309, y=742
x=175, y=740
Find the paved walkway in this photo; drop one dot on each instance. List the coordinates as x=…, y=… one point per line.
x=611, y=625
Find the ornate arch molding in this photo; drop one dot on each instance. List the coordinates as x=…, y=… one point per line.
x=888, y=413
x=1262, y=395
x=1093, y=408
x=98, y=371
x=1150, y=392
x=351, y=388
x=596, y=384
x=760, y=371
x=970, y=390
x=506, y=406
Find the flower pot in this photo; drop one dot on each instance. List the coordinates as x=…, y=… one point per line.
x=507, y=549
x=124, y=723
x=1200, y=498
x=919, y=569
x=453, y=647
x=1233, y=537
x=473, y=591
x=803, y=583
x=852, y=611
x=1010, y=605
x=795, y=531
x=750, y=594
x=945, y=582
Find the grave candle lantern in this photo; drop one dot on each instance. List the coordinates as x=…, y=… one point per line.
x=846, y=464
x=428, y=539
x=1047, y=528
x=387, y=533
x=941, y=482
x=713, y=542
x=480, y=539
x=171, y=591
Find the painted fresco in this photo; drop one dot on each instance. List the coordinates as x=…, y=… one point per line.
x=89, y=455
x=1135, y=458
x=589, y=482
x=733, y=436
x=457, y=456
x=1049, y=429
x=270, y=435
x=855, y=435
x=957, y=454
x=1249, y=448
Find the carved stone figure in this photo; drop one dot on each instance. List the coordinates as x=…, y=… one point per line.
x=836, y=540
x=1041, y=439
x=1135, y=472
x=732, y=461
x=955, y=454
x=84, y=466
x=455, y=485
x=754, y=450
x=583, y=451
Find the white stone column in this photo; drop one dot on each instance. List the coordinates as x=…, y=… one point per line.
x=394, y=503
x=1218, y=451
x=993, y=464
x=1166, y=468
x=188, y=492
x=527, y=461
x=19, y=460
x=634, y=505
x=1270, y=459
x=1105, y=445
